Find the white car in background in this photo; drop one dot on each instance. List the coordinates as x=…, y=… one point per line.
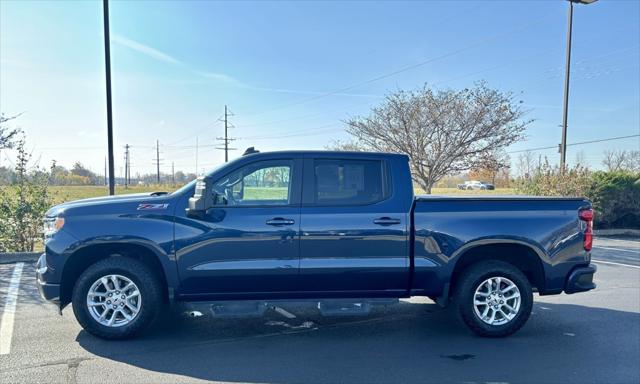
x=476, y=185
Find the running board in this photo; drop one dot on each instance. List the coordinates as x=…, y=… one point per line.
x=253, y=308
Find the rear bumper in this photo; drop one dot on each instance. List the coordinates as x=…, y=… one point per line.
x=581, y=279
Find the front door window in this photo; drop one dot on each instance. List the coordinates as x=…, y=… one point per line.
x=258, y=184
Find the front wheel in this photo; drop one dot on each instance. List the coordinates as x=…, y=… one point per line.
x=116, y=298
x=493, y=298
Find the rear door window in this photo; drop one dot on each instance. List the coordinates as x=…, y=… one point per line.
x=350, y=182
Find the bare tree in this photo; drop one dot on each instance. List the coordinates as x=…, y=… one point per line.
x=526, y=164
x=350, y=146
x=442, y=131
x=581, y=158
x=633, y=162
x=621, y=160
x=7, y=135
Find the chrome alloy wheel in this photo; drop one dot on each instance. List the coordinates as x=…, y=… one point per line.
x=496, y=301
x=114, y=300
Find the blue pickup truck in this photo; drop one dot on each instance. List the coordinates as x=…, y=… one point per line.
x=311, y=225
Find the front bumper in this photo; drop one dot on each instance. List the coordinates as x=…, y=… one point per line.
x=581, y=279
x=48, y=291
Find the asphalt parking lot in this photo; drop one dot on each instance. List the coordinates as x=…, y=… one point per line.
x=582, y=338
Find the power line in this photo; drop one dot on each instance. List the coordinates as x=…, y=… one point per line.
x=206, y=127
x=304, y=117
x=574, y=144
x=439, y=82
x=407, y=68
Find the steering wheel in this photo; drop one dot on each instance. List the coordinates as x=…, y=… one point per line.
x=228, y=195
x=224, y=196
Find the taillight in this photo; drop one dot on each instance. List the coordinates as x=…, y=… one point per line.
x=586, y=215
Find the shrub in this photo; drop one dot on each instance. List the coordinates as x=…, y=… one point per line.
x=616, y=199
x=22, y=206
x=615, y=195
x=547, y=180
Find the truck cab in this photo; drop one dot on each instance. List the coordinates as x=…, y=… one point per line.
x=314, y=224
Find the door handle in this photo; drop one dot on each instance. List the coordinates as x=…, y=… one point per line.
x=386, y=221
x=278, y=221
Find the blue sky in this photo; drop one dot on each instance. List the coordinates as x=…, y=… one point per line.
x=291, y=72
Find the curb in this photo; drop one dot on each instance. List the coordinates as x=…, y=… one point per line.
x=14, y=257
x=617, y=232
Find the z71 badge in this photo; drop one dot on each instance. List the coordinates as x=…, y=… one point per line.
x=152, y=206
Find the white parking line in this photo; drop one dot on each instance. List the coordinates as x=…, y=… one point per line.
x=617, y=240
x=618, y=249
x=612, y=263
x=6, y=324
x=284, y=313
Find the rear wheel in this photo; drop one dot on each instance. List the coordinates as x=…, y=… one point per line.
x=493, y=298
x=116, y=298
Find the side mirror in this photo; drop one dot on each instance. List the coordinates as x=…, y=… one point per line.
x=202, y=198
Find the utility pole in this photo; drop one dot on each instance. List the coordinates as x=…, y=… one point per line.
x=196, y=156
x=173, y=175
x=565, y=111
x=107, y=62
x=127, y=170
x=226, y=138
x=563, y=143
x=157, y=160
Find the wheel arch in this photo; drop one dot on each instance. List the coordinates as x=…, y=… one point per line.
x=526, y=257
x=78, y=261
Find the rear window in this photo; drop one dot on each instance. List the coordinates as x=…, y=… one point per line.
x=350, y=182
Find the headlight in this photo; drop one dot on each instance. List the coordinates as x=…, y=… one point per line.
x=52, y=225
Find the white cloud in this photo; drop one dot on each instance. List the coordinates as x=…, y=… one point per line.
x=220, y=77
x=145, y=49
x=216, y=76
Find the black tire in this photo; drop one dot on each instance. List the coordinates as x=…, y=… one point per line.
x=148, y=285
x=470, y=280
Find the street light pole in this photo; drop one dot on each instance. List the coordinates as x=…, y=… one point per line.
x=107, y=61
x=563, y=143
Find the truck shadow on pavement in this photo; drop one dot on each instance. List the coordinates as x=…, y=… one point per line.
x=406, y=342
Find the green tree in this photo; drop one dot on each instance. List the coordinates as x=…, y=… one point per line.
x=23, y=205
x=80, y=170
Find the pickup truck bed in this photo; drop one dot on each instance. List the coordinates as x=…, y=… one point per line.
x=540, y=234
